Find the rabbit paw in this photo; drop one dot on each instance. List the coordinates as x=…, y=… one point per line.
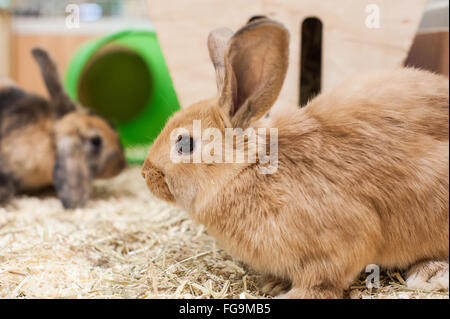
x=273, y=286
x=312, y=293
x=428, y=275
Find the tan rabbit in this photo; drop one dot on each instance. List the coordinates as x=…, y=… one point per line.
x=53, y=142
x=362, y=177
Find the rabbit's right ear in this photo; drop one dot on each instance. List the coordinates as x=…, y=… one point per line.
x=72, y=176
x=255, y=61
x=59, y=98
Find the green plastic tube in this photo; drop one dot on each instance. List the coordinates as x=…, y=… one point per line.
x=124, y=78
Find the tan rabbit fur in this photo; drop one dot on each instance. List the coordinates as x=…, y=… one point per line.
x=53, y=142
x=363, y=172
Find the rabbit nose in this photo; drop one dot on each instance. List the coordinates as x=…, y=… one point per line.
x=145, y=169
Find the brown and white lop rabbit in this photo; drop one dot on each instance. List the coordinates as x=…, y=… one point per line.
x=53, y=142
x=362, y=178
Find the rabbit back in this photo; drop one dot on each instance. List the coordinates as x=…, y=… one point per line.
x=377, y=146
x=25, y=119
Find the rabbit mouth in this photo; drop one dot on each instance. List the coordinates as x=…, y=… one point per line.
x=156, y=183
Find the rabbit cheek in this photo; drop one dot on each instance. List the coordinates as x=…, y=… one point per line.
x=154, y=179
x=114, y=164
x=183, y=190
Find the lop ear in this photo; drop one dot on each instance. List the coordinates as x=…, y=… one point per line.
x=59, y=98
x=72, y=177
x=255, y=62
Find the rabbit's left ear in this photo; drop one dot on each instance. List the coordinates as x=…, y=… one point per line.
x=72, y=176
x=217, y=46
x=256, y=62
x=58, y=96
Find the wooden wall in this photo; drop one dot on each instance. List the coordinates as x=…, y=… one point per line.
x=430, y=51
x=5, y=44
x=349, y=47
x=25, y=70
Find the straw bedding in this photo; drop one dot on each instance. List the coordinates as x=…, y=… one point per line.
x=127, y=244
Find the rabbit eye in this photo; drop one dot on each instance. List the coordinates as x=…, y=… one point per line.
x=96, y=141
x=185, y=144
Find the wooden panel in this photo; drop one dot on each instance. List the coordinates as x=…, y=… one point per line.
x=430, y=52
x=182, y=29
x=349, y=47
x=5, y=44
x=25, y=70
